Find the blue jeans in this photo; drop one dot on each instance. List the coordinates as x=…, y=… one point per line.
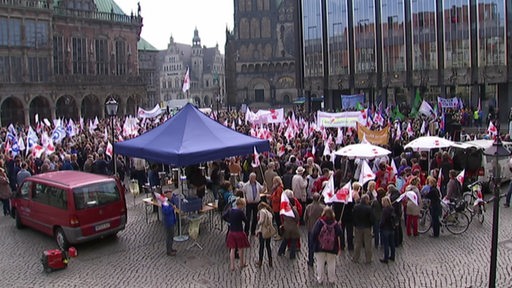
x=293, y=247
x=388, y=241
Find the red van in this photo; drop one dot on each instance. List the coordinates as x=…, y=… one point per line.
x=71, y=206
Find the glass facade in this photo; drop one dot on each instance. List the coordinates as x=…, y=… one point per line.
x=491, y=33
x=364, y=36
x=393, y=35
x=312, y=23
x=457, y=45
x=338, y=37
x=424, y=41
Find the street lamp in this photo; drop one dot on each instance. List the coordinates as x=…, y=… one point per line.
x=496, y=152
x=111, y=107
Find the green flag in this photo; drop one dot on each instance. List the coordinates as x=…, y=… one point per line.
x=397, y=115
x=416, y=104
x=359, y=107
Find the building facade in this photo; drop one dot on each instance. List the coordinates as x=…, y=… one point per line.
x=261, y=53
x=149, y=62
x=389, y=48
x=60, y=59
x=206, y=73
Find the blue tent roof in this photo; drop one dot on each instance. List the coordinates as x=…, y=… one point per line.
x=190, y=137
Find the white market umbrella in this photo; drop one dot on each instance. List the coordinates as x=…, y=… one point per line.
x=426, y=143
x=363, y=151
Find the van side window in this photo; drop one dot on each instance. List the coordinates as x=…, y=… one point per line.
x=39, y=194
x=25, y=189
x=96, y=195
x=57, y=197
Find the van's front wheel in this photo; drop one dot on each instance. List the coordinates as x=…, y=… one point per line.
x=60, y=238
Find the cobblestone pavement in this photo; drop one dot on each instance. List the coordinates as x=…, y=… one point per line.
x=136, y=258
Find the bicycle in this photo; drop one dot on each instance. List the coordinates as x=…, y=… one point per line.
x=475, y=200
x=455, y=220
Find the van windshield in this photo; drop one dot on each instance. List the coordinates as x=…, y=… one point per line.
x=96, y=195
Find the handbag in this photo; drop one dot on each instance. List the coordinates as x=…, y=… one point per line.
x=268, y=230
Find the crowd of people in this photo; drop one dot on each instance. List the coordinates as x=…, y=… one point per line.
x=297, y=167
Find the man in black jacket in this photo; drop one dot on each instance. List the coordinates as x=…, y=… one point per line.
x=363, y=222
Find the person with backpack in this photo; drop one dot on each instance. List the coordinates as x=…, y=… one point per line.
x=453, y=188
x=387, y=228
x=326, y=237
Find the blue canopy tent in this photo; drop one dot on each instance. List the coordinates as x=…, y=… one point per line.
x=190, y=137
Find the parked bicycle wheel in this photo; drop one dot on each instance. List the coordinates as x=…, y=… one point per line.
x=470, y=199
x=480, y=213
x=424, y=221
x=457, y=222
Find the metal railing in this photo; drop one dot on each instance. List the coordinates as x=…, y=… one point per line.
x=98, y=79
x=95, y=15
x=43, y=4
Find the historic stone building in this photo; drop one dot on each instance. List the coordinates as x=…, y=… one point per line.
x=149, y=62
x=64, y=59
x=206, y=72
x=261, y=53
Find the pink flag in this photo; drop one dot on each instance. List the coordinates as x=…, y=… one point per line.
x=286, y=208
x=344, y=194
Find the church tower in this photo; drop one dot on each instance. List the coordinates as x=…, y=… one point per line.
x=196, y=71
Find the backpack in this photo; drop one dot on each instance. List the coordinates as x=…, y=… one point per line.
x=327, y=236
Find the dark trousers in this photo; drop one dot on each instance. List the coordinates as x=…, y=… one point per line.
x=251, y=212
x=399, y=234
x=347, y=229
x=277, y=218
x=264, y=243
x=388, y=240
x=435, y=212
x=169, y=238
x=293, y=247
x=7, y=206
x=311, y=249
x=376, y=234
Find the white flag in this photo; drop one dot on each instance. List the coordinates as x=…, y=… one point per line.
x=426, y=109
x=366, y=173
x=186, y=82
x=344, y=194
x=460, y=177
x=328, y=191
x=286, y=208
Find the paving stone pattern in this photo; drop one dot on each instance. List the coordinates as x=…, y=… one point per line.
x=136, y=258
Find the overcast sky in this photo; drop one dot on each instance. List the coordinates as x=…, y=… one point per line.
x=163, y=18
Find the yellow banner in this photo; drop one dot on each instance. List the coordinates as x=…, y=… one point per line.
x=376, y=137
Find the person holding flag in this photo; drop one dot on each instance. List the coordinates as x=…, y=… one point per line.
x=290, y=224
